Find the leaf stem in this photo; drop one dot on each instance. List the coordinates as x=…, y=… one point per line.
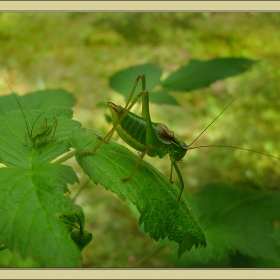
x=66, y=157
x=80, y=224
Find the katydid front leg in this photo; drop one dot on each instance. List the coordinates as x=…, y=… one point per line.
x=128, y=107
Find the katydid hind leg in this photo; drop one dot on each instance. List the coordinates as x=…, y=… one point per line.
x=145, y=109
x=150, y=133
x=143, y=79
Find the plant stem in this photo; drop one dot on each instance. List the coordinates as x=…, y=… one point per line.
x=149, y=256
x=80, y=189
x=66, y=157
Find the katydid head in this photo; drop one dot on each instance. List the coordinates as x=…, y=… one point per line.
x=116, y=111
x=178, y=150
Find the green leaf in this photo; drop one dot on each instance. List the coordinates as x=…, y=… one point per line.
x=69, y=221
x=13, y=131
x=38, y=100
x=199, y=74
x=33, y=191
x=235, y=220
x=123, y=81
x=162, y=97
x=31, y=201
x=153, y=194
x=81, y=238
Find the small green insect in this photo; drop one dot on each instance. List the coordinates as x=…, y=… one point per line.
x=153, y=139
x=42, y=133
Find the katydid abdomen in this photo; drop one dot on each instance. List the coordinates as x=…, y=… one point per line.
x=133, y=129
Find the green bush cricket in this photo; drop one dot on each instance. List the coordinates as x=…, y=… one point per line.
x=153, y=139
x=42, y=133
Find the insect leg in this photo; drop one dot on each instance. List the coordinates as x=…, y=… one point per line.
x=142, y=77
x=54, y=126
x=137, y=164
x=45, y=123
x=150, y=133
x=180, y=178
x=128, y=108
x=171, y=173
x=25, y=141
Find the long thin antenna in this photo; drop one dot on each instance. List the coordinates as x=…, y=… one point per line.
x=210, y=124
x=19, y=106
x=233, y=147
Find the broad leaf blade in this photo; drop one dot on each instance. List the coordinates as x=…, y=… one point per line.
x=162, y=97
x=123, y=81
x=235, y=220
x=37, y=100
x=199, y=74
x=30, y=204
x=154, y=196
x=12, y=137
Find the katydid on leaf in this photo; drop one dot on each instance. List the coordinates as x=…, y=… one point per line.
x=153, y=139
x=42, y=133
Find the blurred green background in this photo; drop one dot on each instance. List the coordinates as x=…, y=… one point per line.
x=80, y=51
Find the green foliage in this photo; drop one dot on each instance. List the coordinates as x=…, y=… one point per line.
x=40, y=220
x=13, y=131
x=81, y=238
x=156, y=200
x=238, y=223
x=30, y=201
x=196, y=74
x=119, y=82
x=33, y=190
x=37, y=213
x=40, y=99
x=38, y=51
